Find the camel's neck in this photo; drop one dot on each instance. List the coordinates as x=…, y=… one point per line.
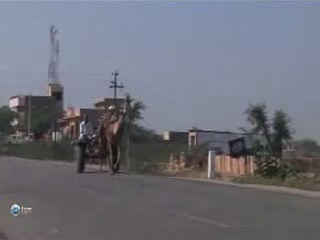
x=118, y=124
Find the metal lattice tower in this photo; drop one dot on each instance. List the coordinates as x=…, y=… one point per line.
x=53, y=70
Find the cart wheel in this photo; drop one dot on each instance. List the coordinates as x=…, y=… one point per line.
x=80, y=158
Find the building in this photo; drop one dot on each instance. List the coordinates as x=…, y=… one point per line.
x=30, y=107
x=174, y=136
x=217, y=140
x=56, y=91
x=73, y=116
x=104, y=103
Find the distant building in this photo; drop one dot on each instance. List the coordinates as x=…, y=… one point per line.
x=217, y=140
x=174, y=136
x=72, y=118
x=56, y=91
x=33, y=106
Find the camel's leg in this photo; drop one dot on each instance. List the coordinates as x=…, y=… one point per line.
x=100, y=160
x=101, y=154
x=110, y=158
x=117, y=164
x=114, y=158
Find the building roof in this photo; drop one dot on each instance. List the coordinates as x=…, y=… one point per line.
x=213, y=131
x=170, y=131
x=103, y=100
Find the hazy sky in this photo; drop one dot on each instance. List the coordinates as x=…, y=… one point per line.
x=192, y=63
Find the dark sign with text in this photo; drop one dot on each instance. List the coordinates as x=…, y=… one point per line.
x=237, y=147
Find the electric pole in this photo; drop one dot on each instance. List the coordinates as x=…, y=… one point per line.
x=115, y=86
x=29, y=115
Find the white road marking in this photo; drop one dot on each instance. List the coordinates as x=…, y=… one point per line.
x=54, y=231
x=199, y=219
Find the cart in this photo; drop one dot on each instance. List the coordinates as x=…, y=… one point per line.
x=85, y=150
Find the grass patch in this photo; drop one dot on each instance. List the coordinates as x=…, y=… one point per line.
x=144, y=156
x=153, y=152
x=300, y=182
x=41, y=151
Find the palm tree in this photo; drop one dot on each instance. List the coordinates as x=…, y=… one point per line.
x=134, y=110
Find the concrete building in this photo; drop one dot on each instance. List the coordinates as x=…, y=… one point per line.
x=217, y=140
x=56, y=91
x=29, y=107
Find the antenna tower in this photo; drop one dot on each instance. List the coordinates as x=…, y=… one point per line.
x=53, y=70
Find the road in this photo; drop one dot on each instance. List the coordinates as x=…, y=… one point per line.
x=91, y=206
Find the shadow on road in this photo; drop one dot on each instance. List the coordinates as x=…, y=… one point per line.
x=3, y=236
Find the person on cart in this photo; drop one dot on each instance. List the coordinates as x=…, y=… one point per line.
x=86, y=129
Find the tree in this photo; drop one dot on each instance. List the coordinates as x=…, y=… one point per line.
x=258, y=118
x=41, y=121
x=140, y=134
x=267, y=142
x=281, y=132
x=134, y=113
x=6, y=117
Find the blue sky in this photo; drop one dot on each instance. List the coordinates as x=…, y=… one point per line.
x=193, y=63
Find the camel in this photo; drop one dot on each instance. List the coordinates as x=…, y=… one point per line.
x=110, y=134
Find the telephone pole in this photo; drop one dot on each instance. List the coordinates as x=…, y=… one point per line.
x=29, y=115
x=115, y=86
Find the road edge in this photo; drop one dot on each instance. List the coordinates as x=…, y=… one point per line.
x=269, y=188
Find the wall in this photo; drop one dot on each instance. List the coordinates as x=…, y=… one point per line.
x=228, y=166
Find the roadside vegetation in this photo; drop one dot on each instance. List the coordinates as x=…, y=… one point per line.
x=274, y=167
x=300, y=181
x=143, y=150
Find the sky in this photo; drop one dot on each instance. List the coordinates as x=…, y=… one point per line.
x=192, y=63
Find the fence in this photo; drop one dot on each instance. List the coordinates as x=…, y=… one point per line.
x=226, y=165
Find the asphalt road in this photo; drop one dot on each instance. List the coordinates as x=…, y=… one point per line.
x=90, y=206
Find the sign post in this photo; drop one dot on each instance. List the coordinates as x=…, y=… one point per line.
x=211, y=161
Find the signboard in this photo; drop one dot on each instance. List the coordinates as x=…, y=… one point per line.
x=237, y=147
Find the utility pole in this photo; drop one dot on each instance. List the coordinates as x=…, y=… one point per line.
x=29, y=115
x=115, y=86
